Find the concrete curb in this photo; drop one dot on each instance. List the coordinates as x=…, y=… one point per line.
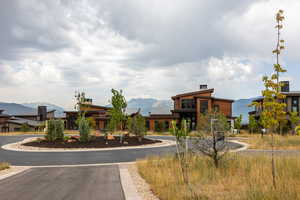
x=11, y=147
x=129, y=189
x=244, y=147
x=14, y=172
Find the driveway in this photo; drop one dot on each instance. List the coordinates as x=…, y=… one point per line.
x=101, y=183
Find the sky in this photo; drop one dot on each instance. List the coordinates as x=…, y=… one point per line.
x=149, y=49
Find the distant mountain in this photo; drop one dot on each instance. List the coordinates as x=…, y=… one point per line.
x=240, y=107
x=59, y=111
x=17, y=109
x=148, y=105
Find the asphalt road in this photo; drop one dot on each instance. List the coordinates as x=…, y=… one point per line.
x=20, y=158
x=69, y=183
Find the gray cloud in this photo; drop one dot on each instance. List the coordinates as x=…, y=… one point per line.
x=148, y=48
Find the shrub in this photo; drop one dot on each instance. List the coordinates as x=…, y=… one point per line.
x=84, y=129
x=159, y=126
x=25, y=128
x=137, y=126
x=55, y=130
x=297, y=130
x=4, y=165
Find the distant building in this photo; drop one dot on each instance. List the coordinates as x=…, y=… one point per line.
x=291, y=100
x=191, y=105
x=10, y=123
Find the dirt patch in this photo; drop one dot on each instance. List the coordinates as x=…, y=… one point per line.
x=95, y=142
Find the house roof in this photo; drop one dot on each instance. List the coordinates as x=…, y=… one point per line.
x=193, y=93
x=161, y=116
x=20, y=121
x=215, y=98
x=95, y=106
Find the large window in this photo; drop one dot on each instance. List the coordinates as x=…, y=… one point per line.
x=203, y=106
x=295, y=104
x=187, y=103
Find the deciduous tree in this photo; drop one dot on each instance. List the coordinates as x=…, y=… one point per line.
x=273, y=105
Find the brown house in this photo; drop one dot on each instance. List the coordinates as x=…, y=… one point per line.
x=191, y=105
x=14, y=122
x=98, y=113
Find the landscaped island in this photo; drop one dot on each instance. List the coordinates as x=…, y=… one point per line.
x=94, y=142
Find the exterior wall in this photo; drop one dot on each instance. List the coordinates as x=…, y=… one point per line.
x=16, y=127
x=91, y=108
x=225, y=107
x=289, y=104
x=152, y=123
x=50, y=115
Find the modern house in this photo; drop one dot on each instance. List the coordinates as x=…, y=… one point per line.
x=14, y=122
x=98, y=113
x=191, y=105
x=292, y=101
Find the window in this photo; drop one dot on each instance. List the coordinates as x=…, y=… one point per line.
x=203, y=106
x=295, y=104
x=148, y=124
x=216, y=108
x=187, y=103
x=167, y=125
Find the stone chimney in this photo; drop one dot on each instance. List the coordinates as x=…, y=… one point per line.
x=203, y=87
x=285, y=86
x=42, y=113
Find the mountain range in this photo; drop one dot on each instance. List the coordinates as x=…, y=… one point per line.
x=147, y=105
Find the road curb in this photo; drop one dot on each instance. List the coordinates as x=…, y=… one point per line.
x=244, y=147
x=129, y=189
x=18, y=170
x=10, y=147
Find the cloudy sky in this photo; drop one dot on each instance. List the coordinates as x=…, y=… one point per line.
x=49, y=49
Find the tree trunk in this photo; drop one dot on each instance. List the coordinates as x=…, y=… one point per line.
x=273, y=163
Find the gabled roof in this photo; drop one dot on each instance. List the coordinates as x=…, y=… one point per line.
x=193, y=93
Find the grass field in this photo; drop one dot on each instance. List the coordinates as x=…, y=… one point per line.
x=288, y=142
x=4, y=165
x=239, y=177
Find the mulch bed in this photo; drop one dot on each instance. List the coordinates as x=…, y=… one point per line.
x=95, y=142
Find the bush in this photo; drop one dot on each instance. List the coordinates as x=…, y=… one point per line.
x=137, y=126
x=297, y=130
x=159, y=126
x=84, y=129
x=25, y=128
x=55, y=130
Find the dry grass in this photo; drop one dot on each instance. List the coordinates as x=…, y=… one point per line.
x=239, y=177
x=289, y=142
x=4, y=165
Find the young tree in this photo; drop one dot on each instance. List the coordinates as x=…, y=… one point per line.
x=137, y=126
x=212, y=130
x=252, y=124
x=273, y=105
x=55, y=130
x=117, y=112
x=238, y=123
x=84, y=128
x=295, y=119
x=181, y=135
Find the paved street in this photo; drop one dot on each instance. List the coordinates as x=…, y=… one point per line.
x=74, y=158
x=68, y=183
